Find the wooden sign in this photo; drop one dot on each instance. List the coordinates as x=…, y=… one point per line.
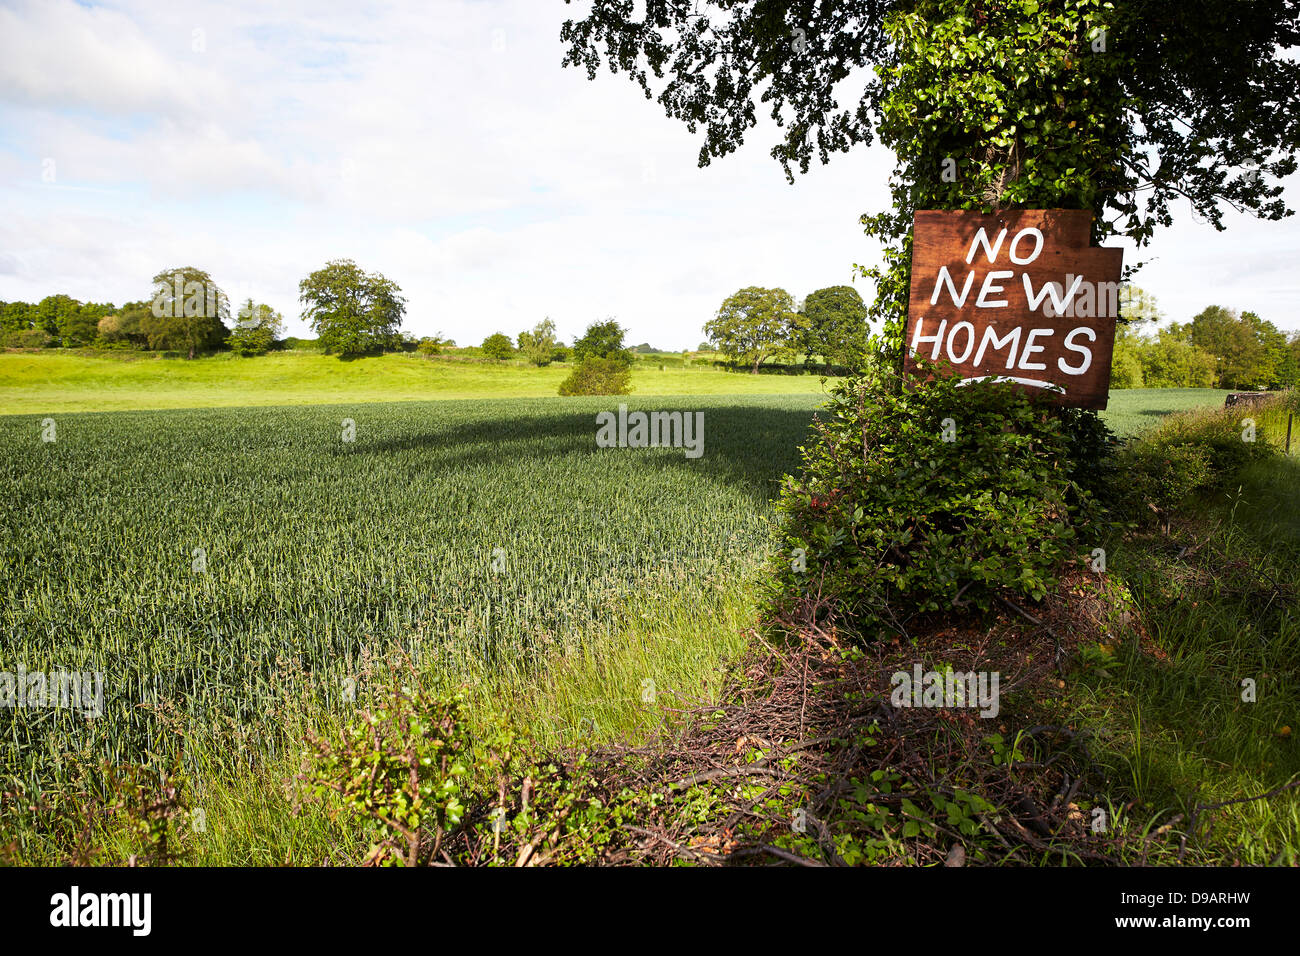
x=1019, y=296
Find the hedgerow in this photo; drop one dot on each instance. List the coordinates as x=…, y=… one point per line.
x=924, y=497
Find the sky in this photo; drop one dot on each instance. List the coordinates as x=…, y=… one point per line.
x=443, y=145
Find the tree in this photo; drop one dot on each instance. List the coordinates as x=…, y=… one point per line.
x=1170, y=361
x=754, y=324
x=124, y=328
x=82, y=328
x=834, y=326
x=538, y=346
x=15, y=316
x=1276, y=367
x=353, y=312
x=188, y=312
x=257, y=327
x=1126, y=362
x=1118, y=106
x=1235, y=344
x=603, y=340
x=498, y=346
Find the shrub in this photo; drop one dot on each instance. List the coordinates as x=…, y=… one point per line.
x=403, y=765
x=598, y=376
x=1188, y=454
x=913, y=500
x=1156, y=478
x=1093, y=447
x=29, y=339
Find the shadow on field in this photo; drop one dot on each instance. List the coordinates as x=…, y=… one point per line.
x=747, y=445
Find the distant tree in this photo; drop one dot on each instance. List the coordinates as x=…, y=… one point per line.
x=188, y=312
x=754, y=324
x=1171, y=361
x=603, y=340
x=70, y=321
x=538, y=346
x=1276, y=366
x=83, y=328
x=704, y=347
x=1293, y=360
x=257, y=327
x=124, y=329
x=15, y=316
x=1138, y=309
x=498, y=346
x=1126, y=362
x=293, y=343
x=834, y=326
x=353, y=312
x=1236, y=343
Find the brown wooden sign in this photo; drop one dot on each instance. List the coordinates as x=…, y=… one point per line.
x=1019, y=296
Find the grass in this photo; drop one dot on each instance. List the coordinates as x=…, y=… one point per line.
x=56, y=381
x=1216, y=603
x=52, y=382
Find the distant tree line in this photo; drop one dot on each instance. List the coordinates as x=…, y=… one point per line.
x=1218, y=348
x=351, y=311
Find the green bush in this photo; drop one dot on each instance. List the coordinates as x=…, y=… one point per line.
x=294, y=343
x=1191, y=453
x=1155, y=478
x=598, y=376
x=29, y=339
x=403, y=766
x=918, y=500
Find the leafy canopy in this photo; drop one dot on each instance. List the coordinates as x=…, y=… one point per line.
x=498, y=346
x=353, y=312
x=257, y=327
x=754, y=324
x=834, y=326
x=188, y=312
x=603, y=340
x=539, y=345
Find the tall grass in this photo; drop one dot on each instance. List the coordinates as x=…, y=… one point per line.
x=1216, y=598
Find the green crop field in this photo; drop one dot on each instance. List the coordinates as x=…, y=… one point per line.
x=200, y=559
x=1132, y=410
